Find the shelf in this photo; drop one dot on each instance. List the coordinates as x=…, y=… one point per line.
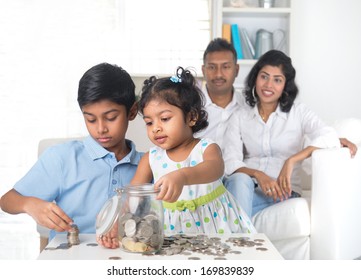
x=271, y=12
x=253, y=19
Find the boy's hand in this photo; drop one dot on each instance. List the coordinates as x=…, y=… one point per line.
x=48, y=214
x=171, y=186
x=110, y=239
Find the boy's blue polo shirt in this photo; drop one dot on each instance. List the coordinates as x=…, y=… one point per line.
x=80, y=176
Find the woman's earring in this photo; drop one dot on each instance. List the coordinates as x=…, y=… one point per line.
x=254, y=94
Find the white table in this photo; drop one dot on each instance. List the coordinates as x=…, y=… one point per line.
x=84, y=251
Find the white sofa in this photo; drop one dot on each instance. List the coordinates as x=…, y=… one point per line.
x=323, y=224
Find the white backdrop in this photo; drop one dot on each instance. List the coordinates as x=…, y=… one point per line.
x=327, y=57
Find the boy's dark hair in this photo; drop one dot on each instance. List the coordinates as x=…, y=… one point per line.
x=218, y=45
x=279, y=59
x=180, y=91
x=106, y=82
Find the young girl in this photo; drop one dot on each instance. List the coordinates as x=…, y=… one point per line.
x=187, y=170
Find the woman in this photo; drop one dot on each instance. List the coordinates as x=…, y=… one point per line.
x=267, y=136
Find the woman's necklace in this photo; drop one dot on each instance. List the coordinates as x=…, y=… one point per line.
x=263, y=117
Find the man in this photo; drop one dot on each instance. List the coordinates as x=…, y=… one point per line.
x=220, y=69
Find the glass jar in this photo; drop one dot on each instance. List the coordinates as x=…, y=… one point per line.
x=138, y=217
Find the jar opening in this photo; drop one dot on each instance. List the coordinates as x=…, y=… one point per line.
x=139, y=189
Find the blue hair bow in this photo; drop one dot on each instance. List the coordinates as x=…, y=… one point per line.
x=175, y=79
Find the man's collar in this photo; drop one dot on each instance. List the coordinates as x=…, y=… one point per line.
x=236, y=97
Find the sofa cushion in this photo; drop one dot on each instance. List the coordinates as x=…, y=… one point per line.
x=284, y=220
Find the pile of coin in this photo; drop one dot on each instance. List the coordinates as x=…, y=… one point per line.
x=140, y=234
x=202, y=244
x=245, y=242
x=186, y=245
x=73, y=235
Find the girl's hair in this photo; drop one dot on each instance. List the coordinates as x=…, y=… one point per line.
x=278, y=59
x=181, y=91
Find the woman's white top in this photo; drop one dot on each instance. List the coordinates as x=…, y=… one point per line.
x=266, y=146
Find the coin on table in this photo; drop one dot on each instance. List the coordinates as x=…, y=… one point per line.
x=180, y=241
x=261, y=249
x=92, y=244
x=235, y=252
x=115, y=258
x=259, y=240
x=194, y=258
x=215, y=239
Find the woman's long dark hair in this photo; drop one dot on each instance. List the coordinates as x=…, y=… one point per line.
x=279, y=59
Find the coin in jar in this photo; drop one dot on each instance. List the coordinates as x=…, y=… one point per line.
x=130, y=227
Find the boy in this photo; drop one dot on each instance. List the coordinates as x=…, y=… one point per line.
x=80, y=176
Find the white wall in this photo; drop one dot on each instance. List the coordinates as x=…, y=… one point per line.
x=326, y=55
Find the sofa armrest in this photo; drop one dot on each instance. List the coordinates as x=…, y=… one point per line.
x=335, y=204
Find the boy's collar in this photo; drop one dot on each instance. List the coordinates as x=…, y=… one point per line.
x=96, y=151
